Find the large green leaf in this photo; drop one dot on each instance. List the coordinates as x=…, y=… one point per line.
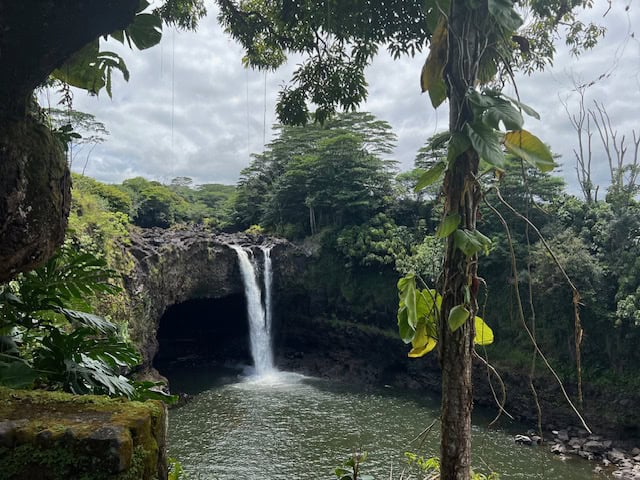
x=503, y=111
x=80, y=70
x=430, y=176
x=448, y=225
x=471, y=242
x=485, y=141
x=89, y=320
x=457, y=316
x=458, y=144
x=15, y=372
x=505, y=15
x=145, y=31
x=525, y=108
x=530, y=148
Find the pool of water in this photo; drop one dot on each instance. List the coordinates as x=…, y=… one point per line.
x=290, y=426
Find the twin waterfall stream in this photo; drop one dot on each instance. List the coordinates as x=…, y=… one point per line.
x=259, y=423
x=258, y=311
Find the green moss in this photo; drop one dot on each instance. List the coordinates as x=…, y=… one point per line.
x=138, y=463
x=53, y=436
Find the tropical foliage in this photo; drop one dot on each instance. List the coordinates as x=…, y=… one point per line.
x=51, y=339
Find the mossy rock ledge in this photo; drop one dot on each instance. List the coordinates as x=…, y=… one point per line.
x=55, y=436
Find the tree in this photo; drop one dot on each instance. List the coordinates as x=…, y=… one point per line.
x=318, y=176
x=470, y=42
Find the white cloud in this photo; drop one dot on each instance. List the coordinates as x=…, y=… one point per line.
x=191, y=109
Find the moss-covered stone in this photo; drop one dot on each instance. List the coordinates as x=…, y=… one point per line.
x=56, y=436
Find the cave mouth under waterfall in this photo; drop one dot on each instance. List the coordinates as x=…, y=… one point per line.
x=202, y=331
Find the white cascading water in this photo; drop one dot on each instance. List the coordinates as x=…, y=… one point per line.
x=268, y=280
x=259, y=320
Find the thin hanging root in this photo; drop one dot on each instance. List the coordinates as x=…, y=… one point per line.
x=576, y=293
x=499, y=403
x=423, y=434
x=519, y=299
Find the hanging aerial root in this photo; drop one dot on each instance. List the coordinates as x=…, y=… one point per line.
x=519, y=299
x=576, y=293
x=500, y=403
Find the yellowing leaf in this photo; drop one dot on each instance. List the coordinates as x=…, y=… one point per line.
x=421, y=351
x=484, y=334
x=530, y=148
x=422, y=343
x=432, y=75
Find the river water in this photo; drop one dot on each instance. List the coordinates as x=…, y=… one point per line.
x=288, y=426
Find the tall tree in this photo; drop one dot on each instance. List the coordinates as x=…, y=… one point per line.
x=470, y=42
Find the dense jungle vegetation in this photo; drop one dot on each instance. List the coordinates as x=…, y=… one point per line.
x=337, y=187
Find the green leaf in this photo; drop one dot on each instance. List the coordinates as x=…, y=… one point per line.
x=485, y=141
x=448, y=225
x=457, y=316
x=484, y=334
x=89, y=320
x=505, y=14
x=430, y=176
x=503, y=111
x=79, y=70
x=471, y=242
x=525, y=108
x=145, y=31
x=16, y=373
x=530, y=148
x=407, y=316
x=458, y=144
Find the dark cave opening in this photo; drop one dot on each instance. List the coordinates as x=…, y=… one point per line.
x=204, y=331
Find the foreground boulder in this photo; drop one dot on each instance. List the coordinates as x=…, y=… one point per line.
x=56, y=436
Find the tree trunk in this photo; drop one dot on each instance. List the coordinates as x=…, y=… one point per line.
x=36, y=37
x=462, y=196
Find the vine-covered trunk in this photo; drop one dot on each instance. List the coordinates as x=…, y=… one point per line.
x=462, y=197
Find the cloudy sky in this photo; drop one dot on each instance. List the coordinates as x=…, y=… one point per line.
x=191, y=109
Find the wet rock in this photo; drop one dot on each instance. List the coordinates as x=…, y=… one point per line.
x=586, y=455
x=536, y=440
x=615, y=456
x=563, y=436
x=576, y=442
x=523, y=440
x=113, y=445
x=558, y=449
x=594, y=446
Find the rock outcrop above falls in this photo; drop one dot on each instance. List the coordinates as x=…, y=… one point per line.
x=175, y=266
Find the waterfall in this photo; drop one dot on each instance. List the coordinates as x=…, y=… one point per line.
x=259, y=317
x=268, y=281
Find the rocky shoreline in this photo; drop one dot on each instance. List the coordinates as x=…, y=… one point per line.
x=607, y=454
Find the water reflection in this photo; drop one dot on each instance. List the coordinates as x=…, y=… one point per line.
x=287, y=425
